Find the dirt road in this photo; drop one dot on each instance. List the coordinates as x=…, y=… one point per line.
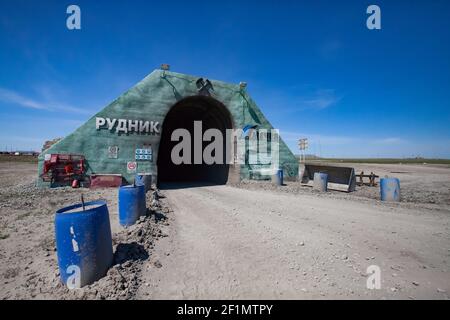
x=229, y=242
x=252, y=240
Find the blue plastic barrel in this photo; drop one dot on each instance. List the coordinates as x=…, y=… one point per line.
x=145, y=179
x=131, y=204
x=390, y=189
x=320, y=181
x=277, y=177
x=280, y=176
x=83, y=243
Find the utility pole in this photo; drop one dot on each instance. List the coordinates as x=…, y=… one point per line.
x=303, y=145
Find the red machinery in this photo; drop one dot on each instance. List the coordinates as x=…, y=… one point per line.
x=63, y=169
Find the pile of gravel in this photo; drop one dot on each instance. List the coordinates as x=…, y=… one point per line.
x=132, y=248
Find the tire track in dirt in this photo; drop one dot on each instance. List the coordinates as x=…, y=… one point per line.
x=234, y=243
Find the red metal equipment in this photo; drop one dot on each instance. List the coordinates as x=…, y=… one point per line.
x=64, y=168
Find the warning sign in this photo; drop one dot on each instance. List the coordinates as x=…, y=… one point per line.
x=113, y=151
x=131, y=167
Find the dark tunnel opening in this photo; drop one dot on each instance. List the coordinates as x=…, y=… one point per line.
x=212, y=114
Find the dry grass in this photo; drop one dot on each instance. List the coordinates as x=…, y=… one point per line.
x=21, y=158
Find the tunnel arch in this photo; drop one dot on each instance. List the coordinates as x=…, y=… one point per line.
x=213, y=114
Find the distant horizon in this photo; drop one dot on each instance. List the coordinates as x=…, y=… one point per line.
x=356, y=158
x=308, y=157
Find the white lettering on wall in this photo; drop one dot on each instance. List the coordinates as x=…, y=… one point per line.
x=127, y=126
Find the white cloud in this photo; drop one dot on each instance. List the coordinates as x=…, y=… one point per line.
x=13, y=97
x=48, y=104
x=322, y=99
x=389, y=141
x=296, y=98
x=294, y=136
x=331, y=139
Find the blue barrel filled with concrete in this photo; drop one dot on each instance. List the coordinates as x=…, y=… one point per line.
x=131, y=203
x=320, y=181
x=145, y=179
x=83, y=243
x=390, y=189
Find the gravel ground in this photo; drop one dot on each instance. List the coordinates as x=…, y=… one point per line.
x=235, y=243
x=252, y=240
x=28, y=263
x=422, y=186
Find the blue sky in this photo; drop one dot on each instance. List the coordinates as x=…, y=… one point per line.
x=313, y=67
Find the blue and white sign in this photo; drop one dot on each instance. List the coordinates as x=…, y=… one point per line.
x=144, y=154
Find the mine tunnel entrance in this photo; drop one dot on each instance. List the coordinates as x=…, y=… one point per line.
x=212, y=114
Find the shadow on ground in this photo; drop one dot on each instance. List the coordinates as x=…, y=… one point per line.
x=130, y=252
x=185, y=185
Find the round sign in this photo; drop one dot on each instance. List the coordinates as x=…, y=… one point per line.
x=131, y=166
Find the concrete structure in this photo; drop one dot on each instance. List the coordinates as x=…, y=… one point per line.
x=135, y=130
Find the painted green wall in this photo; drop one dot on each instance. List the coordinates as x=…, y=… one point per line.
x=150, y=100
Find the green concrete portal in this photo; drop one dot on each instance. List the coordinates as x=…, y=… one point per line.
x=143, y=119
